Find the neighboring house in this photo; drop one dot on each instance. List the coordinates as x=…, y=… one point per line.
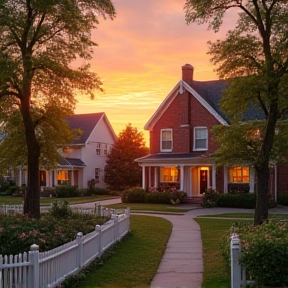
x=84, y=159
x=181, y=143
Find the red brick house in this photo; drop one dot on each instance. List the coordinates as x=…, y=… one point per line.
x=181, y=142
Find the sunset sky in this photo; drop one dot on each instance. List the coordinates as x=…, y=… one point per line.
x=139, y=58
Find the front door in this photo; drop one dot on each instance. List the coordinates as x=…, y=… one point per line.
x=203, y=180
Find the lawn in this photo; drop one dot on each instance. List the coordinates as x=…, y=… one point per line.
x=12, y=200
x=161, y=208
x=137, y=258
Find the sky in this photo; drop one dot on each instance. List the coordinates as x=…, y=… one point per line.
x=139, y=58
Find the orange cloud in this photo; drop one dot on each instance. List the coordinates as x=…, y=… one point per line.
x=139, y=59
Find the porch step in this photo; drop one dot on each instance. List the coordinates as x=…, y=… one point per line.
x=194, y=200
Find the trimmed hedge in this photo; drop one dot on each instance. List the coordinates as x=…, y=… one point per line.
x=245, y=200
x=139, y=195
x=66, y=191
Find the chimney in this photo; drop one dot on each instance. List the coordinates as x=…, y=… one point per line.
x=187, y=73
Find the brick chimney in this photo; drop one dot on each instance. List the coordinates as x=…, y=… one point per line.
x=187, y=73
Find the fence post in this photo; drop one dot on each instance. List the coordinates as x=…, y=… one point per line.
x=116, y=227
x=34, y=271
x=99, y=230
x=79, y=249
x=235, y=250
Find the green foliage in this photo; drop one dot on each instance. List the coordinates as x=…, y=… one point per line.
x=121, y=171
x=244, y=200
x=210, y=198
x=282, y=198
x=264, y=252
x=66, y=191
x=18, y=232
x=139, y=195
x=60, y=209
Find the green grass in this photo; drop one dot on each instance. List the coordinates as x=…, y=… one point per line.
x=148, y=207
x=244, y=216
x=12, y=200
x=215, y=273
x=137, y=258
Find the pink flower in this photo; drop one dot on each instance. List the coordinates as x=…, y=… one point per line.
x=22, y=236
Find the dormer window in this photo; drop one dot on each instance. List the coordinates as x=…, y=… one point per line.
x=200, y=139
x=166, y=140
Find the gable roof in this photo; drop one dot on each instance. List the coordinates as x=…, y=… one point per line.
x=179, y=88
x=87, y=122
x=209, y=94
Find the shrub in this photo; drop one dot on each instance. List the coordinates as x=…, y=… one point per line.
x=210, y=198
x=282, y=198
x=134, y=195
x=66, y=191
x=60, y=209
x=264, y=252
x=139, y=195
x=96, y=191
x=247, y=200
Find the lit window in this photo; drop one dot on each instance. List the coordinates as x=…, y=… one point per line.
x=169, y=174
x=98, y=148
x=239, y=175
x=200, y=138
x=62, y=177
x=166, y=140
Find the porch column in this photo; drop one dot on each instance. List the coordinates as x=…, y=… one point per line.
x=20, y=177
x=149, y=177
x=214, y=177
x=181, y=178
x=275, y=182
x=143, y=178
x=156, y=177
x=72, y=177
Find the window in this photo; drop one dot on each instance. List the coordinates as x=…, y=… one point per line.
x=97, y=175
x=62, y=177
x=169, y=174
x=166, y=140
x=200, y=139
x=98, y=148
x=105, y=149
x=239, y=175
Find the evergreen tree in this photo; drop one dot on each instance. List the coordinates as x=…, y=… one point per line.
x=121, y=171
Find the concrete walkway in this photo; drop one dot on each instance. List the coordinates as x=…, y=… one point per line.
x=182, y=263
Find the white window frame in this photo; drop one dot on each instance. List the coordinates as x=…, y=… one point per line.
x=194, y=142
x=105, y=149
x=161, y=141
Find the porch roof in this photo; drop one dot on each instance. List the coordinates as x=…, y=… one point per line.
x=175, y=158
x=70, y=162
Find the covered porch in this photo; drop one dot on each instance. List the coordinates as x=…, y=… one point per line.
x=190, y=173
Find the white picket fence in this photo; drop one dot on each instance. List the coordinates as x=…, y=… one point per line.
x=48, y=269
x=238, y=271
x=97, y=210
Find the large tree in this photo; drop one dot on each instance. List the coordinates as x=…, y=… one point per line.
x=255, y=55
x=121, y=171
x=39, y=43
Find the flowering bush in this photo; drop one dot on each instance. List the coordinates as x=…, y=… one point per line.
x=18, y=232
x=264, y=252
x=210, y=197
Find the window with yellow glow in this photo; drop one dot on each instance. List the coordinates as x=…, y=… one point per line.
x=239, y=175
x=169, y=174
x=62, y=177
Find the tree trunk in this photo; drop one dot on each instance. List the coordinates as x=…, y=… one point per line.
x=32, y=194
x=262, y=199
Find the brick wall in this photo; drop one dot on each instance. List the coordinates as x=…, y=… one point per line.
x=182, y=116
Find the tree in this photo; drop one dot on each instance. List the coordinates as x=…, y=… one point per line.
x=40, y=41
x=255, y=56
x=121, y=171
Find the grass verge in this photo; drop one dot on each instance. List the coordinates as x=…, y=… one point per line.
x=216, y=273
x=136, y=259
x=162, y=208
